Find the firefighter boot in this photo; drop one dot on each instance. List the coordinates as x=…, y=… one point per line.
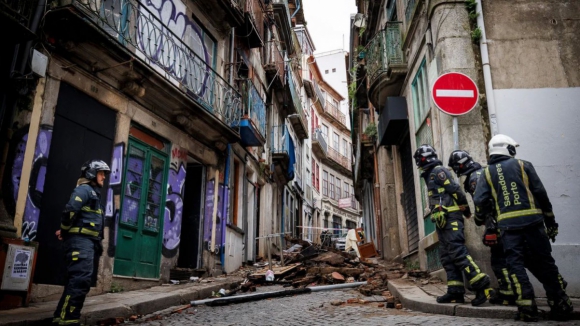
x=482, y=295
x=451, y=298
x=502, y=299
x=527, y=314
x=562, y=310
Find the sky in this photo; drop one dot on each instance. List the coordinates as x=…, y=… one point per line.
x=328, y=21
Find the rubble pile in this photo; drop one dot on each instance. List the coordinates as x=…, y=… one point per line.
x=308, y=264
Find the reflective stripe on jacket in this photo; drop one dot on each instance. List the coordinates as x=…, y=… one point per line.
x=519, y=195
x=444, y=193
x=83, y=213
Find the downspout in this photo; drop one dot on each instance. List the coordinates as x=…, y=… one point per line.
x=487, y=72
x=297, y=8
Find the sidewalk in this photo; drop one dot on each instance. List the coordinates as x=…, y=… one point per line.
x=422, y=298
x=122, y=304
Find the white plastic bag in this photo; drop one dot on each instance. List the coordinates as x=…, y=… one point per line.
x=269, y=276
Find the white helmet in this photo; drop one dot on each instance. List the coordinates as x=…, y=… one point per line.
x=502, y=145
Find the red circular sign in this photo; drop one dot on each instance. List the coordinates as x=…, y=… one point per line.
x=455, y=93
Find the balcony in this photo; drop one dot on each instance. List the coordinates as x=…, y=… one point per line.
x=226, y=11
x=15, y=19
x=335, y=116
x=252, y=126
x=252, y=29
x=283, y=24
x=296, y=116
x=274, y=65
x=385, y=64
x=319, y=146
x=127, y=43
x=338, y=161
x=283, y=156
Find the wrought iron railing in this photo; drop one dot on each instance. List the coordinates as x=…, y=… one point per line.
x=411, y=4
x=280, y=139
x=255, y=108
x=335, y=155
x=334, y=111
x=384, y=50
x=295, y=97
x=20, y=10
x=142, y=31
x=319, y=137
x=274, y=58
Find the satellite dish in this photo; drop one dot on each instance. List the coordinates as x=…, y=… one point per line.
x=360, y=21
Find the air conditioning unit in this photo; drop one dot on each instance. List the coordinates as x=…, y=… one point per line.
x=393, y=121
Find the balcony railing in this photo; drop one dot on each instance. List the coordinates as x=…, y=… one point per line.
x=295, y=97
x=319, y=137
x=254, y=108
x=142, y=31
x=274, y=59
x=20, y=10
x=280, y=140
x=384, y=50
x=333, y=110
x=335, y=155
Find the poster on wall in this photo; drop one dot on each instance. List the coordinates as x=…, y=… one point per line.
x=21, y=264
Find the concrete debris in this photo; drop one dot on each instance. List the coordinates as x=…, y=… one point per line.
x=336, y=303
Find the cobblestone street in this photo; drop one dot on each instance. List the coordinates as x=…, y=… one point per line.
x=314, y=309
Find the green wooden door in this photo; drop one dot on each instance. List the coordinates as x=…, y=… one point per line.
x=139, y=235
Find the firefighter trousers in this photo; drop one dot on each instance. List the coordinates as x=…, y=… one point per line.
x=531, y=242
x=500, y=269
x=456, y=259
x=80, y=255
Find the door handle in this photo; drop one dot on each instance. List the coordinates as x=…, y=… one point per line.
x=127, y=236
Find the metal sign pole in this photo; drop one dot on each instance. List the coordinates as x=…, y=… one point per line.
x=455, y=134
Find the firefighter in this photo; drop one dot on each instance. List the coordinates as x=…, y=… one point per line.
x=463, y=165
x=524, y=215
x=448, y=205
x=81, y=229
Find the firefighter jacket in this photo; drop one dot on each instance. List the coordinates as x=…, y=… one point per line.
x=445, y=195
x=519, y=197
x=83, y=213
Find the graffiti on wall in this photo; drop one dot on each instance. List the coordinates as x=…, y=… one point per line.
x=37, y=177
x=165, y=49
x=174, y=203
x=222, y=212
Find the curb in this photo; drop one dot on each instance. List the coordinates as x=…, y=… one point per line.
x=111, y=305
x=413, y=298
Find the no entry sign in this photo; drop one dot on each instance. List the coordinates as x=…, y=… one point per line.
x=455, y=93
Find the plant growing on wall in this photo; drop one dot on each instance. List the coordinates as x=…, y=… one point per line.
x=471, y=7
x=371, y=130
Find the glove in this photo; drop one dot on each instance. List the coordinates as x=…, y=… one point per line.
x=552, y=231
x=490, y=237
x=551, y=227
x=438, y=217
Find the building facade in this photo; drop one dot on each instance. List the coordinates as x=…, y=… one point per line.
x=400, y=47
x=197, y=105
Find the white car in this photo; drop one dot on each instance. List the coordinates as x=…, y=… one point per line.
x=339, y=241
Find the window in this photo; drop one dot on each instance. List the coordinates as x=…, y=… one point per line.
x=344, y=147
x=335, y=142
x=420, y=94
x=326, y=71
x=335, y=103
x=353, y=201
x=313, y=173
x=346, y=194
x=324, y=183
x=331, y=186
x=333, y=69
x=338, y=189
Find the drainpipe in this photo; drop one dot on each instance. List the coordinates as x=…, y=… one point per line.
x=232, y=55
x=297, y=8
x=487, y=72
